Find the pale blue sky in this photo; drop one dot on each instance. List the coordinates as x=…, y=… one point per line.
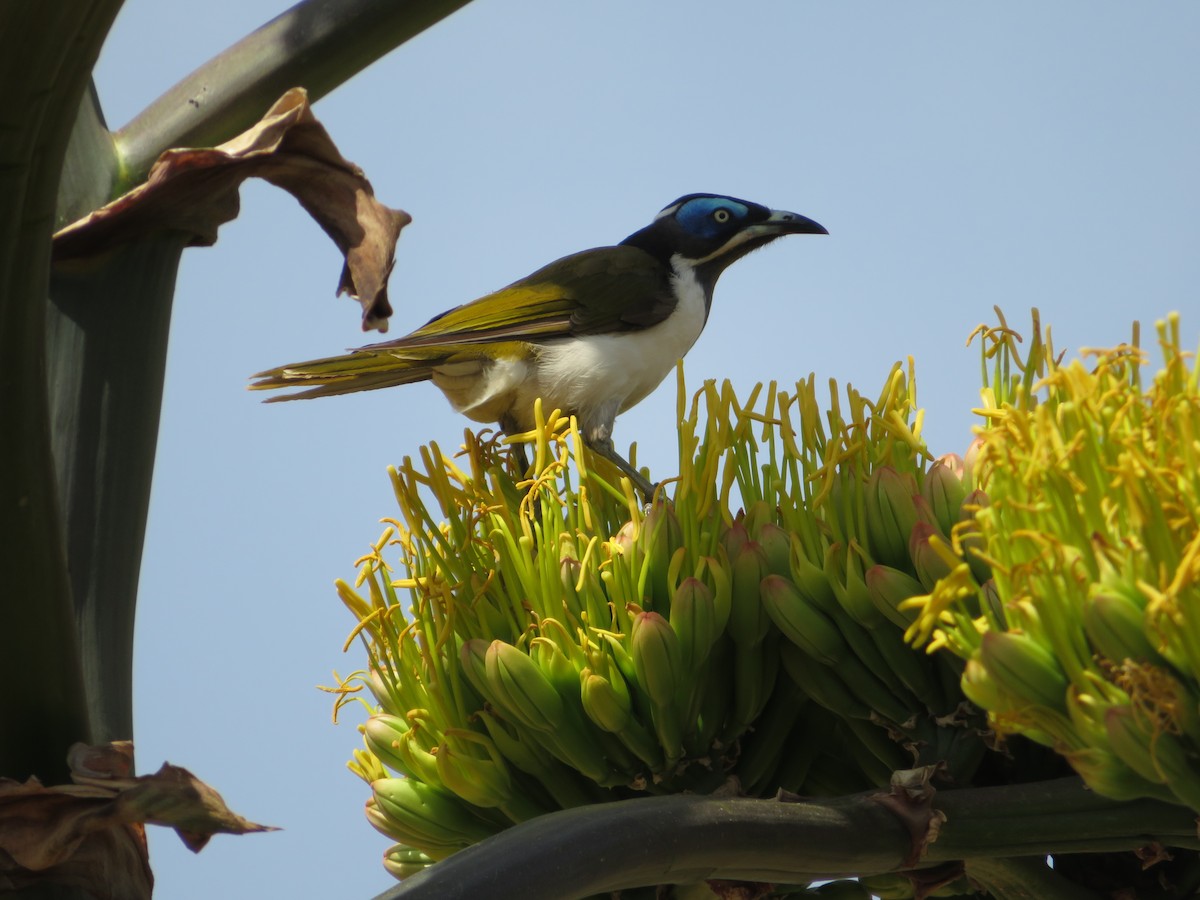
x=961, y=156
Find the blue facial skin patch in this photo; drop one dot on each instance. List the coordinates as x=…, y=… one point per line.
x=696, y=216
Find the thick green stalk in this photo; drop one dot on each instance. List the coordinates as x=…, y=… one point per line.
x=47, y=54
x=684, y=839
x=317, y=45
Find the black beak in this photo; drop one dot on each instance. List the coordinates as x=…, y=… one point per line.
x=783, y=222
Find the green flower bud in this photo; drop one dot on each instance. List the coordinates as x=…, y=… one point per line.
x=748, y=622
x=657, y=658
x=971, y=475
x=479, y=782
x=520, y=689
x=1024, y=669
x=735, y=537
x=604, y=705
x=383, y=693
x=981, y=689
x=1115, y=624
x=382, y=733
x=801, y=622
x=428, y=813
x=927, y=562
x=1178, y=765
x=695, y=622
x=473, y=656
x=991, y=603
x=754, y=671
x=716, y=574
x=759, y=513
x=776, y=543
x=661, y=536
x=1108, y=775
x=890, y=514
x=821, y=684
x=554, y=664
x=568, y=566
x=888, y=588
x=624, y=538
x=516, y=745
x=383, y=823
x=402, y=861
x=1132, y=741
x=942, y=488
x=843, y=571
x=812, y=581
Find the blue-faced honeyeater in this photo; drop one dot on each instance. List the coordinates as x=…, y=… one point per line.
x=590, y=334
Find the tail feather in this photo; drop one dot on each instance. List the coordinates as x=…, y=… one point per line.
x=374, y=367
x=343, y=375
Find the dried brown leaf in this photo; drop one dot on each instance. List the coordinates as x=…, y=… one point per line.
x=196, y=191
x=91, y=834
x=66, y=835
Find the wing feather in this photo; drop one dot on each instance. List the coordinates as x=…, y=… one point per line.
x=597, y=291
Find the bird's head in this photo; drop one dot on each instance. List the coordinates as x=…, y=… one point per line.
x=708, y=232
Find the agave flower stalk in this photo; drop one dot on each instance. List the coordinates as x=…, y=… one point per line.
x=1088, y=637
x=549, y=641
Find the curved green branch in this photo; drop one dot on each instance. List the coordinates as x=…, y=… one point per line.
x=317, y=45
x=685, y=838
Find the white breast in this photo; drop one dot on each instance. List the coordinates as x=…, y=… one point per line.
x=600, y=375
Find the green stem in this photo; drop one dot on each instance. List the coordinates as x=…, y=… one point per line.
x=317, y=45
x=1027, y=878
x=683, y=839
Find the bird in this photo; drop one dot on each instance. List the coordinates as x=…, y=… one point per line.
x=591, y=334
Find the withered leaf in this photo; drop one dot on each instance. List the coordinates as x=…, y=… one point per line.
x=91, y=834
x=196, y=191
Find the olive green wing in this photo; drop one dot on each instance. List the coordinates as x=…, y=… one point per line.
x=594, y=292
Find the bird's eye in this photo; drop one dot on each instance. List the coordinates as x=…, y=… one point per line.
x=721, y=216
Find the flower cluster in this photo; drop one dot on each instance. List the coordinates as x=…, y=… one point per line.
x=1086, y=638
x=551, y=642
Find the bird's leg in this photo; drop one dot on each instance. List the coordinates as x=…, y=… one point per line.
x=522, y=460
x=509, y=426
x=599, y=439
